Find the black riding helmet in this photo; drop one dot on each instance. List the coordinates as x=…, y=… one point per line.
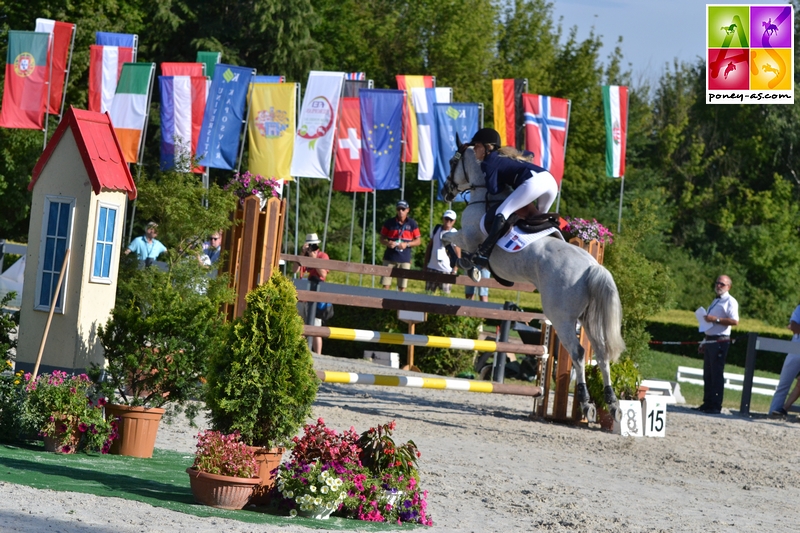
x=486, y=136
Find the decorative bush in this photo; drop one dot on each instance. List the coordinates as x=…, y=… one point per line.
x=12, y=394
x=441, y=361
x=247, y=184
x=224, y=455
x=625, y=380
x=588, y=230
x=262, y=381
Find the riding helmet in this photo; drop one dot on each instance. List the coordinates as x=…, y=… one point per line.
x=486, y=136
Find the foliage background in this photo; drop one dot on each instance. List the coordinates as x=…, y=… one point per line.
x=717, y=183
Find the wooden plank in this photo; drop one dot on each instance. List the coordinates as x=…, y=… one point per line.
x=508, y=347
x=252, y=208
x=419, y=275
x=563, y=367
x=455, y=309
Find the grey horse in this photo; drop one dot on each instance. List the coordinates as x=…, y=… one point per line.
x=574, y=287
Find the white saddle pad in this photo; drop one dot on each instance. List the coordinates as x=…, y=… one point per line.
x=514, y=240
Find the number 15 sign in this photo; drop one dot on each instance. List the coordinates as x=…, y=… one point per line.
x=655, y=417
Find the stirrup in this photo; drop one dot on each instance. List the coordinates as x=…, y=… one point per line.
x=480, y=261
x=464, y=261
x=475, y=274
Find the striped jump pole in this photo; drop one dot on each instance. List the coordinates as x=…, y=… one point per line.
x=363, y=335
x=428, y=383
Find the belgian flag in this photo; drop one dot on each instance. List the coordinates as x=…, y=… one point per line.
x=509, y=115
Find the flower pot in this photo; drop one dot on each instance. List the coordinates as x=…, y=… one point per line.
x=641, y=392
x=53, y=444
x=606, y=420
x=393, y=496
x=137, y=429
x=268, y=460
x=320, y=513
x=223, y=492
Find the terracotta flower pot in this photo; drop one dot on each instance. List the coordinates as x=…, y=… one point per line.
x=137, y=429
x=642, y=392
x=223, y=492
x=268, y=460
x=606, y=420
x=53, y=444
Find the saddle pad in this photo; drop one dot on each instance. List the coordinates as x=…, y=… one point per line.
x=514, y=240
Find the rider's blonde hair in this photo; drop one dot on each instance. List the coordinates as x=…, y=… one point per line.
x=513, y=153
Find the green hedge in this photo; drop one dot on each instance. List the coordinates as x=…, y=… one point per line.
x=673, y=332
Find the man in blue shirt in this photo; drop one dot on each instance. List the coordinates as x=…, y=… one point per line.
x=147, y=248
x=399, y=235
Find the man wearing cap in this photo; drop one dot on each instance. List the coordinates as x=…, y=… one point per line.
x=147, y=248
x=399, y=235
x=437, y=258
x=315, y=276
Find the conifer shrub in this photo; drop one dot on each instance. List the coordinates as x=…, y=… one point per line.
x=262, y=382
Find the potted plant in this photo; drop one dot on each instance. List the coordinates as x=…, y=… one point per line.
x=588, y=230
x=224, y=471
x=316, y=488
x=60, y=408
x=261, y=381
x=247, y=184
x=160, y=335
x=625, y=380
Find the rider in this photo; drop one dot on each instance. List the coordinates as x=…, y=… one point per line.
x=530, y=182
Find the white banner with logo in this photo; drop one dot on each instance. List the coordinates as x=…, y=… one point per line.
x=313, y=141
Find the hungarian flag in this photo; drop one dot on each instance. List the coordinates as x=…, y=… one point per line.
x=105, y=67
x=347, y=167
x=62, y=34
x=406, y=83
x=546, y=124
x=25, y=88
x=182, y=69
x=615, y=102
x=508, y=111
x=129, y=108
x=183, y=102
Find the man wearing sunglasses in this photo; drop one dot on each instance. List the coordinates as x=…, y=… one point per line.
x=722, y=314
x=399, y=235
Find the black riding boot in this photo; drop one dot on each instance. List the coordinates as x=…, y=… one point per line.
x=499, y=227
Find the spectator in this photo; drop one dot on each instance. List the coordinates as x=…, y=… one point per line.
x=791, y=368
x=147, y=248
x=315, y=276
x=399, y=235
x=441, y=258
x=483, y=292
x=212, y=249
x=722, y=313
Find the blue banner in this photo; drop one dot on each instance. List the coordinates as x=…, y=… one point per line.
x=452, y=119
x=268, y=79
x=104, y=38
x=218, y=145
x=381, y=124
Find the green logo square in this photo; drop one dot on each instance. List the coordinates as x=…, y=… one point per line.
x=728, y=26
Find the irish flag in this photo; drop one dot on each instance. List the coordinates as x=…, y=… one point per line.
x=129, y=108
x=615, y=102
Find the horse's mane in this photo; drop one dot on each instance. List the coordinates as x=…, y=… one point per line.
x=513, y=153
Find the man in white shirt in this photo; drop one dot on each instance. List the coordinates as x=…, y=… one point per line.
x=722, y=313
x=436, y=257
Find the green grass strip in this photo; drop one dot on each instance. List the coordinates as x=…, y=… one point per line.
x=160, y=481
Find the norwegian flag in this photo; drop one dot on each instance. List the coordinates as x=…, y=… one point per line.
x=347, y=170
x=546, y=126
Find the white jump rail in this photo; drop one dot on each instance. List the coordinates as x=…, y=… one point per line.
x=765, y=386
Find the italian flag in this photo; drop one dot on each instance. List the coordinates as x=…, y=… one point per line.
x=129, y=108
x=615, y=102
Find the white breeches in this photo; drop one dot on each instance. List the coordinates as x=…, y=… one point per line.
x=542, y=187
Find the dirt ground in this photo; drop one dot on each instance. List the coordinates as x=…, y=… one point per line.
x=489, y=468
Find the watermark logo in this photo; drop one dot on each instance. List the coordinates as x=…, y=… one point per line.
x=749, y=54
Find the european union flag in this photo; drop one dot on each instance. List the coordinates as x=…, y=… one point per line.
x=381, y=123
x=452, y=119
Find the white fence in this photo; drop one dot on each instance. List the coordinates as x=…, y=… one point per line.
x=764, y=386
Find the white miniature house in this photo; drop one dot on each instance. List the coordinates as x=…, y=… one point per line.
x=80, y=186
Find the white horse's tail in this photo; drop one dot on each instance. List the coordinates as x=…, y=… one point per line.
x=603, y=316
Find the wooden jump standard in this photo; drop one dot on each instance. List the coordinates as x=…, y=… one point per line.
x=428, y=383
x=407, y=339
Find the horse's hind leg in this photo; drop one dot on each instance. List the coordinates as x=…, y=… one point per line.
x=577, y=354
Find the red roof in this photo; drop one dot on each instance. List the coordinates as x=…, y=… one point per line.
x=99, y=148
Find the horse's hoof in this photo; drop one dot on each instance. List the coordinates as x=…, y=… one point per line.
x=616, y=412
x=475, y=274
x=590, y=413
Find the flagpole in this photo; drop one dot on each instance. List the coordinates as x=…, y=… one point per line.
x=246, y=120
x=374, y=228
x=431, y=214
x=66, y=73
x=402, y=161
x=622, y=178
x=51, y=52
x=141, y=148
x=364, y=234
x=296, y=214
x=350, y=245
x=566, y=135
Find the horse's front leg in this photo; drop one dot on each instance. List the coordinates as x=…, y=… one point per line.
x=608, y=391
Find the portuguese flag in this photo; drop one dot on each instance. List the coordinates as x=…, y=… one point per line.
x=25, y=87
x=129, y=108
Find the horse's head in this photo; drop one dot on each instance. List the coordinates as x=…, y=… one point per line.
x=463, y=165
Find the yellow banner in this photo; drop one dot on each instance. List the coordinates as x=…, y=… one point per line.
x=271, y=129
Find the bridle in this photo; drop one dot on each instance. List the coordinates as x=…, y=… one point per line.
x=450, y=189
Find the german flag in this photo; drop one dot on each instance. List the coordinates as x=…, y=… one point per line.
x=509, y=115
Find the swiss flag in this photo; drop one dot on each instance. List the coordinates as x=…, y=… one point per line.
x=546, y=122
x=347, y=168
